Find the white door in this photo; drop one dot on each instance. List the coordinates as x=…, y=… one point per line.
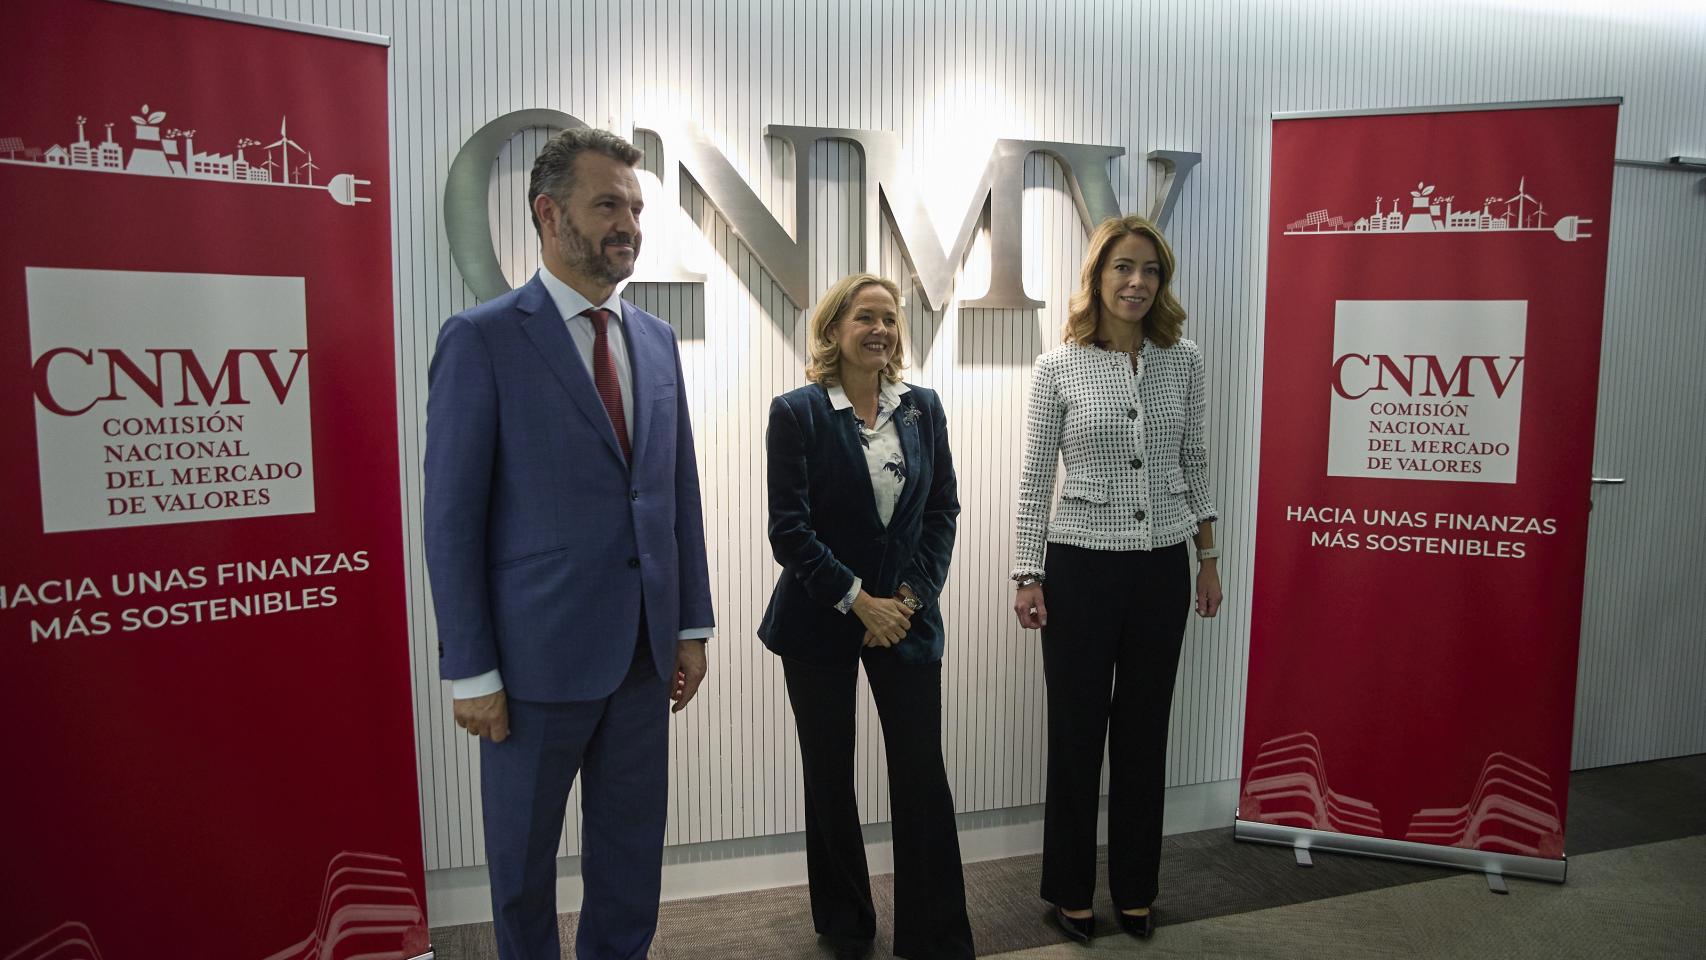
x=1641, y=686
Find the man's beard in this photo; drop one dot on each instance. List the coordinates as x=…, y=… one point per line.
x=588, y=260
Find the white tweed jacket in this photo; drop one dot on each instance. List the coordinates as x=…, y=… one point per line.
x=1136, y=466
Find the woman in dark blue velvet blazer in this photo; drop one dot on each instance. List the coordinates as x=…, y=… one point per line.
x=863, y=507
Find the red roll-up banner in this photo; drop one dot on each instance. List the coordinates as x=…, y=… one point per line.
x=1436, y=285
x=202, y=619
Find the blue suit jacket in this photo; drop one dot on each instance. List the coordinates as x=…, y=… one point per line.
x=541, y=542
x=824, y=527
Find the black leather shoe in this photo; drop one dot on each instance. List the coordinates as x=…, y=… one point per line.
x=1141, y=926
x=1080, y=929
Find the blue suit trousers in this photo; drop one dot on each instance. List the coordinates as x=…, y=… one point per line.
x=621, y=744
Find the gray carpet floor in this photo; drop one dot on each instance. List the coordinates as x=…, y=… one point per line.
x=1647, y=901
x=1240, y=899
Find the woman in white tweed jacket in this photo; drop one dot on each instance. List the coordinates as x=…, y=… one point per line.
x=1121, y=402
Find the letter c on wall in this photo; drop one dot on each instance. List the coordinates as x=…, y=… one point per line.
x=467, y=212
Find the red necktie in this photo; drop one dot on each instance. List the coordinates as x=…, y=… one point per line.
x=604, y=377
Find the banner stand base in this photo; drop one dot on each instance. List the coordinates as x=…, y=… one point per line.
x=1489, y=862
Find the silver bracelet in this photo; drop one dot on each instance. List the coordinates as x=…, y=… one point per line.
x=1208, y=553
x=1026, y=580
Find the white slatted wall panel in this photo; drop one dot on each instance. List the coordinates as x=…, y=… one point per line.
x=949, y=77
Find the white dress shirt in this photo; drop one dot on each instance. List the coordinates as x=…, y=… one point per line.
x=571, y=305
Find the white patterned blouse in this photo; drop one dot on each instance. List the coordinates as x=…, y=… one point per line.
x=883, y=458
x=1132, y=442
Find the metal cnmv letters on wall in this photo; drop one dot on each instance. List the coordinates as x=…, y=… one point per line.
x=785, y=256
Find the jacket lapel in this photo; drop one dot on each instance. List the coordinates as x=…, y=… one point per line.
x=645, y=354
x=550, y=335
x=912, y=446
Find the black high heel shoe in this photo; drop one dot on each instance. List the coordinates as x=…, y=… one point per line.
x=1080, y=929
x=847, y=948
x=1141, y=926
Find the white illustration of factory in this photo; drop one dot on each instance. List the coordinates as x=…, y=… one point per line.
x=282, y=163
x=1430, y=213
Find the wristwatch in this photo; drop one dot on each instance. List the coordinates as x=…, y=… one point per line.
x=909, y=598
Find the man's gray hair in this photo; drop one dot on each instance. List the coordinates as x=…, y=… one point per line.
x=553, y=169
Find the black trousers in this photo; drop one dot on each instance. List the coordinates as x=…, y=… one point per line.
x=929, y=888
x=1116, y=621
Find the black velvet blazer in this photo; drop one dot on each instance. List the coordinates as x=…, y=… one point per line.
x=824, y=527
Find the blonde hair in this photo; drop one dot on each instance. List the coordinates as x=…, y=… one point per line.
x=1165, y=320
x=824, y=363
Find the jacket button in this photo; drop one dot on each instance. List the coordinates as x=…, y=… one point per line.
x=634, y=562
x=1137, y=464
x=1139, y=514
x=1131, y=414
x=635, y=495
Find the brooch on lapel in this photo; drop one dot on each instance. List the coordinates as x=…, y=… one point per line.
x=909, y=414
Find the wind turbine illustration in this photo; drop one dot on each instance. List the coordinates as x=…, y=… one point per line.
x=284, y=143
x=342, y=187
x=1522, y=195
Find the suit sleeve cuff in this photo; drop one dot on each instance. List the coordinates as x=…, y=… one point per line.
x=846, y=603
x=696, y=633
x=468, y=687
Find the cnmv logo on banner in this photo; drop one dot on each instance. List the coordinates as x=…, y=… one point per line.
x=168, y=397
x=1427, y=389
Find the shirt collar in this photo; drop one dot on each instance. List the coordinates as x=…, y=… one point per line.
x=888, y=395
x=569, y=301
x=892, y=392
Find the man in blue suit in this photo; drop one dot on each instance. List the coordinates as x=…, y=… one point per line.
x=567, y=556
